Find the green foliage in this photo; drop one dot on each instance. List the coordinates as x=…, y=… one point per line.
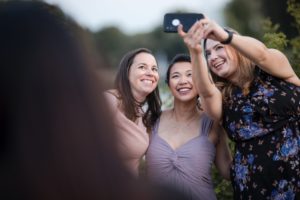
x=278, y=40
x=223, y=187
x=244, y=16
x=111, y=42
x=272, y=38
x=114, y=44
x=295, y=42
x=294, y=10
x=275, y=40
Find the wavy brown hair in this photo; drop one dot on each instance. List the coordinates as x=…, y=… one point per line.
x=245, y=72
x=128, y=102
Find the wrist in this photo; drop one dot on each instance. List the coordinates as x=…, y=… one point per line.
x=229, y=38
x=195, y=51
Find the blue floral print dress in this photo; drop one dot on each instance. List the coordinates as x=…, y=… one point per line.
x=265, y=126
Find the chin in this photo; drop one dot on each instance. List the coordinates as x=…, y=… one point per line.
x=221, y=74
x=148, y=91
x=185, y=99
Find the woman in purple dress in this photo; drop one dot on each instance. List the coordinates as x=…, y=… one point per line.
x=185, y=142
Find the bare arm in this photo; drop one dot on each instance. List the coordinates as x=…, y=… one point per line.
x=112, y=101
x=223, y=155
x=270, y=60
x=211, y=98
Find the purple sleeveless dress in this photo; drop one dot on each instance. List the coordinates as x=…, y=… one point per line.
x=188, y=168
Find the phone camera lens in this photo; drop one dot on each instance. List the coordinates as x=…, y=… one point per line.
x=175, y=22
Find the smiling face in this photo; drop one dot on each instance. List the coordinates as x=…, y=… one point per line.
x=181, y=83
x=221, y=60
x=143, y=76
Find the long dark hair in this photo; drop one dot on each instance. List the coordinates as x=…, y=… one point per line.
x=128, y=103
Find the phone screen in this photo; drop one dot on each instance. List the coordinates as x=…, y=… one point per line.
x=172, y=20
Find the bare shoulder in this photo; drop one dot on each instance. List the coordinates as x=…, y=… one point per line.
x=112, y=97
x=111, y=94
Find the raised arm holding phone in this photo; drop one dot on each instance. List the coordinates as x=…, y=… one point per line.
x=255, y=95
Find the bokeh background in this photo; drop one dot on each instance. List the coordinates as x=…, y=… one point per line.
x=114, y=27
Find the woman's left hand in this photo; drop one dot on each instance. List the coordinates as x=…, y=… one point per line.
x=212, y=30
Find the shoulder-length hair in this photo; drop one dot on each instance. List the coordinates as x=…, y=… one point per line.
x=245, y=72
x=128, y=102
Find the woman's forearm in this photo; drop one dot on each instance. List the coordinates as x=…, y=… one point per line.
x=201, y=76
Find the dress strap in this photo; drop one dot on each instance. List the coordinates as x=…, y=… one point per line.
x=206, y=124
x=155, y=127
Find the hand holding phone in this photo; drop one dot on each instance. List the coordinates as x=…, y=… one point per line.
x=172, y=20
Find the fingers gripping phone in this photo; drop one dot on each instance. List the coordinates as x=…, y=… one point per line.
x=172, y=20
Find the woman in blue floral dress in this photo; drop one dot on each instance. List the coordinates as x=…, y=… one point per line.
x=256, y=97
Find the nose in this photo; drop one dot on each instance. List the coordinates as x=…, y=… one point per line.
x=183, y=80
x=212, y=57
x=149, y=72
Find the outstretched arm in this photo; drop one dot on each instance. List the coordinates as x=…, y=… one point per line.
x=272, y=61
x=211, y=97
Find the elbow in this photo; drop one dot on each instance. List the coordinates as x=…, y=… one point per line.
x=208, y=93
x=226, y=170
x=226, y=175
x=262, y=56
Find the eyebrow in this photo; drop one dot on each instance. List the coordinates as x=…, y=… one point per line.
x=142, y=63
x=174, y=73
x=187, y=71
x=207, y=51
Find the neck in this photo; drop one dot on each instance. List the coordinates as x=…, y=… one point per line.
x=234, y=79
x=139, y=98
x=185, y=111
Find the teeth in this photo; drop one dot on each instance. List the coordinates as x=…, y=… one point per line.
x=183, y=89
x=147, y=81
x=218, y=64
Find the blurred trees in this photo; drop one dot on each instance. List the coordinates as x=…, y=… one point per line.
x=248, y=17
x=276, y=23
x=114, y=43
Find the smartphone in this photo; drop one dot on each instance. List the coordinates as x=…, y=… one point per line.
x=172, y=20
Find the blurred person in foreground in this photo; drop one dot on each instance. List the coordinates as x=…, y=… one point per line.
x=57, y=140
x=136, y=85
x=255, y=95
